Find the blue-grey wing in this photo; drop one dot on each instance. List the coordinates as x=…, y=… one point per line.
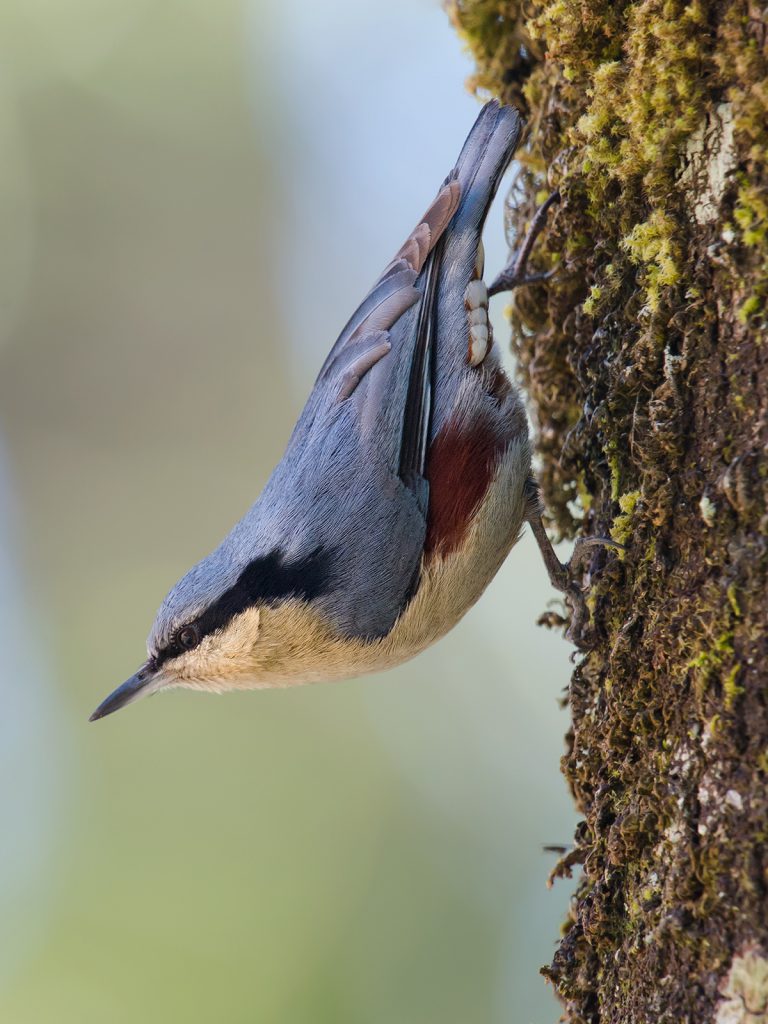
x=387, y=324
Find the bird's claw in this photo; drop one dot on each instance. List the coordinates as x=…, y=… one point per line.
x=514, y=274
x=579, y=631
x=564, y=578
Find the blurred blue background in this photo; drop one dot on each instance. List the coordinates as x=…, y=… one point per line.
x=193, y=197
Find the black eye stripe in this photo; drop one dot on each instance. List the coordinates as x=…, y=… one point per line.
x=265, y=580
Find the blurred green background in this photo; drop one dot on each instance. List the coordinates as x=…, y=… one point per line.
x=193, y=197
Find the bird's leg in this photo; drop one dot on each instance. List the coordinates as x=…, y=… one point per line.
x=563, y=577
x=514, y=274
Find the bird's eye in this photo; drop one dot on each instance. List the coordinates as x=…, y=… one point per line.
x=188, y=637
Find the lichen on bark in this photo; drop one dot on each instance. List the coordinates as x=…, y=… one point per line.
x=645, y=360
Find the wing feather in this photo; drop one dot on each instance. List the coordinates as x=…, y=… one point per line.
x=405, y=282
x=400, y=275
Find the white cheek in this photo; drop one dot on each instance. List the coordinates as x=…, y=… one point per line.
x=241, y=635
x=222, y=655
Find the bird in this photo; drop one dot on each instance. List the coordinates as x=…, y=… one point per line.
x=404, y=485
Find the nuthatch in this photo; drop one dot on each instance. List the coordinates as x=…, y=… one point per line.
x=405, y=483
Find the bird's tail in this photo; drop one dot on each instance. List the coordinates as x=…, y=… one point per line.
x=485, y=156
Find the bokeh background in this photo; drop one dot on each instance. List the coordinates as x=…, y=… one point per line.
x=193, y=196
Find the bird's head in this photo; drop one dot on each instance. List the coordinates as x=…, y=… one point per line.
x=209, y=631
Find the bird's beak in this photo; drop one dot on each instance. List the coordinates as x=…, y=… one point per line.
x=147, y=680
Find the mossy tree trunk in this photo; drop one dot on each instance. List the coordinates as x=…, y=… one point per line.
x=646, y=363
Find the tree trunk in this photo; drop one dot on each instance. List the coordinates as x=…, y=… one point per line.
x=645, y=359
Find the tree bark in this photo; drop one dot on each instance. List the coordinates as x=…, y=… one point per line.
x=645, y=360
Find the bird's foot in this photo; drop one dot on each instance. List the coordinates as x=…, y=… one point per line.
x=514, y=274
x=564, y=577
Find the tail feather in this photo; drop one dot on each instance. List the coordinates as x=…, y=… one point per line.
x=484, y=157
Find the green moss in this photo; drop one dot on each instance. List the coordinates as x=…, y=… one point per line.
x=749, y=307
x=652, y=246
x=730, y=687
x=621, y=529
x=613, y=464
x=751, y=213
x=708, y=665
x=590, y=303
